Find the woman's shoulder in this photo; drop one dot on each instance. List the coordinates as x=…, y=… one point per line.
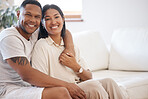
x=41, y=42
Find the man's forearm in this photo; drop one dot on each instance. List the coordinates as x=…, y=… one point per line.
x=68, y=42
x=40, y=79
x=31, y=75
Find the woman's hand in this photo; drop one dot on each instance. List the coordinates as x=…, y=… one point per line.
x=69, y=60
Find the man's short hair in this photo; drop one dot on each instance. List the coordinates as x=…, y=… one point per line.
x=35, y=2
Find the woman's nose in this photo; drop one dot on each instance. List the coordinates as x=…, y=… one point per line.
x=53, y=21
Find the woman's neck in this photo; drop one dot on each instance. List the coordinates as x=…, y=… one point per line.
x=56, y=38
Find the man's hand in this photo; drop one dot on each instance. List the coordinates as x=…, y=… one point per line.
x=75, y=91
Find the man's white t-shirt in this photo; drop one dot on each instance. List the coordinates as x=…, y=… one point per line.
x=13, y=44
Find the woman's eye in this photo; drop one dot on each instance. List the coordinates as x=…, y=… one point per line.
x=47, y=19
x=57, y=17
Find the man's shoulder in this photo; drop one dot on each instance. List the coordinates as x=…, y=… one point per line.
x=7, y=32
x=12, y=29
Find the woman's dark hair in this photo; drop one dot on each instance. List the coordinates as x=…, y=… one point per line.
x=43, y=33
x=25, y=2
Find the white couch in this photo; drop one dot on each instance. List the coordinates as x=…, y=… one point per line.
x=126, y=62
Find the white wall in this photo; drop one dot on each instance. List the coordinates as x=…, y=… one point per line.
x=107, y=15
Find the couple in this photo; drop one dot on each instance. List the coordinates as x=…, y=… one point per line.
x=55, y=75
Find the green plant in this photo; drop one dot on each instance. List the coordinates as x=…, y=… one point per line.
x=8, y=17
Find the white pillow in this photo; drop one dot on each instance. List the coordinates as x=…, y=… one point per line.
x=129, y=49
x=92, y=49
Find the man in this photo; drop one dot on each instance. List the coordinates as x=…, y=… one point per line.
x=17, y=77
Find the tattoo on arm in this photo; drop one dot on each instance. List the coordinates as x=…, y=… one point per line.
x=20, y=60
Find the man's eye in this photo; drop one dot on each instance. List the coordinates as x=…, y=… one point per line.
x=28, y=14
x=38, y=17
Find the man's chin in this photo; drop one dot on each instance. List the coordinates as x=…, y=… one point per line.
x=30, y=32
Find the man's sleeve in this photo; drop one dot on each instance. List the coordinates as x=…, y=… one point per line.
x=11, y=46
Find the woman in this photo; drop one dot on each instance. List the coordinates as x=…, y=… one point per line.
x=68, y=67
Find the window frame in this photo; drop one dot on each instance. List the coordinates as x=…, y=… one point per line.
x=72, y=16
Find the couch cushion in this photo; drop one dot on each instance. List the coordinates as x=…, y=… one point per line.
x=129, y=50
x=133, y=84
x=92, y=49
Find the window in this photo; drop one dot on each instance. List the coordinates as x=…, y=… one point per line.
x=72, y=8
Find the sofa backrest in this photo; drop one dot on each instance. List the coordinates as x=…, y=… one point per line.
x=129, y=49
x=92, y=49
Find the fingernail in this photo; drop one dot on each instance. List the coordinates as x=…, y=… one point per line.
x=67, y=53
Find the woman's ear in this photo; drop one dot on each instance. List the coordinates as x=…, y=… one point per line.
x=63, y=20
